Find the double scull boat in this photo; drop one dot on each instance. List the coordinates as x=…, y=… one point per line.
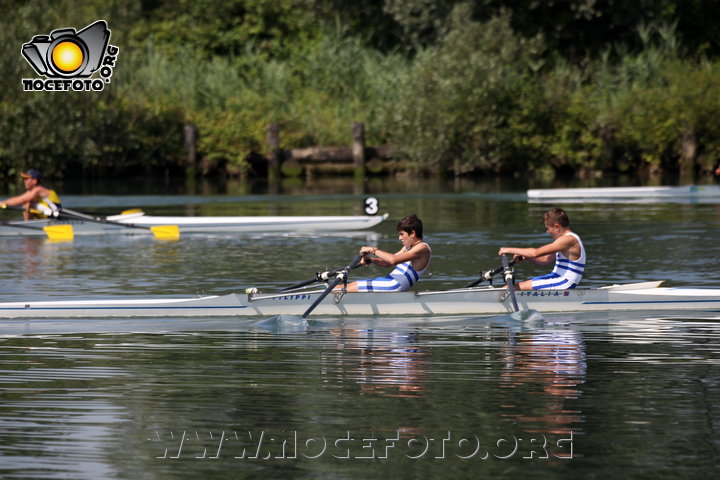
x=486, y=300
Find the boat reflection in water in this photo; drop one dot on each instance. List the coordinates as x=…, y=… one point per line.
x=548, y=363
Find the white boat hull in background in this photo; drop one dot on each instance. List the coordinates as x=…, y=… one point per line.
x=259, y=224
x=690, y=193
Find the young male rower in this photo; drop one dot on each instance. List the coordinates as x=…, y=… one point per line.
x=410, y=262
x=565, y=252
x=38, y=201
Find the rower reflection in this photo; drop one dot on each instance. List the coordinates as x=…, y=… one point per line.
x=550, y=364
x=391, y=364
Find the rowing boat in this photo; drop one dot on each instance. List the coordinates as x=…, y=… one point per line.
x=487, y=300
x=660, y=193
x=227, y=224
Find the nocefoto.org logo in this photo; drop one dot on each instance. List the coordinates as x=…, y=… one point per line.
x=67, y=59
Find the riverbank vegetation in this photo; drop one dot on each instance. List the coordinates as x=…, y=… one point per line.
x=454, y=87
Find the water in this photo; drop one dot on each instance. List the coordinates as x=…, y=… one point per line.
x=550, y=396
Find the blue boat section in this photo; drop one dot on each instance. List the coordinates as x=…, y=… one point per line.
x=651, y=302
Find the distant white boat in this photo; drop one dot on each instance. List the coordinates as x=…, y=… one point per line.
x=128, y=224
x=688, y=193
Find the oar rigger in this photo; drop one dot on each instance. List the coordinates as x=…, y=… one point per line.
x=487, y=276
x=340, y=277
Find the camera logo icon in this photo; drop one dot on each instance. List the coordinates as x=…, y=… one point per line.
x=68, y=54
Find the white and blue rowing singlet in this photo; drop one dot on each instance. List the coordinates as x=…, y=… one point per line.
x=566, y=274
x=402, y=278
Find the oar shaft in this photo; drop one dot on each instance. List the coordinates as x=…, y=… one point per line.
x=339, y=278
x=299, y=284
x=166, y=232
x=509, y=280
x=53, y=232
x=83, y=216
x=486, y=276
x=319, y=277
x=322, y=296
x=17, y=225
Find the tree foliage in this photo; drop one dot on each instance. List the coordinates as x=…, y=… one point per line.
x=517, y=85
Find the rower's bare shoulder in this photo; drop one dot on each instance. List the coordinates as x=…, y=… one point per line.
x=423, y=249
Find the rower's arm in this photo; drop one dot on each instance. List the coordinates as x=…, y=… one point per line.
x=543, y=256
x=22, y=199
x=387, y=259
x=402, y=256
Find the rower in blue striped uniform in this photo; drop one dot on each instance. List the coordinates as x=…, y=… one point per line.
x=565, y=252
x=410, y=262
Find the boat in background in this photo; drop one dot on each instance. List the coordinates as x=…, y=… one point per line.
x=487, y=300
x=248, y=224
x=684, y=194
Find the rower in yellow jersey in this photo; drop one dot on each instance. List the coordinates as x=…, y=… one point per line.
x=38, y=201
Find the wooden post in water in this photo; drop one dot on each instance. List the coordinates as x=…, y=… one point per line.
x=358, y=150
x=688, y=158
x=274, y=154
x=190, y=132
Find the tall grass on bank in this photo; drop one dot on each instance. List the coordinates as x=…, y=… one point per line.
x=314, y=96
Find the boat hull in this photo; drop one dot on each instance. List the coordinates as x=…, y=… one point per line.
x=473, y=301
x=690, y=192
x=199, y=225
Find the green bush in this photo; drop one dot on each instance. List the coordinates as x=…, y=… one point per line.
x=456, y=107
x=464, y=92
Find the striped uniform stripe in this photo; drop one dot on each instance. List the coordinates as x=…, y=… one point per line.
x=402, y=278
x=566, y=274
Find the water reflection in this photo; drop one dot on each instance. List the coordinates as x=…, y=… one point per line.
x=32, y=258
x=550, y=363
x=386, y=363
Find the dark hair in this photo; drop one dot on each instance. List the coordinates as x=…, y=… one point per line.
x=410, y=224
x=557, y=215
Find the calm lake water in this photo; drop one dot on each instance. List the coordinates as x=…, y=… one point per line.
x=563, y=396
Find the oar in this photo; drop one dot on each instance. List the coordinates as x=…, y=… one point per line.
x=487, y=276
x=163, y=232
x=319, y=277
x=509, y=281
x=53, y=232
x=310, y=280
x=341, y=276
